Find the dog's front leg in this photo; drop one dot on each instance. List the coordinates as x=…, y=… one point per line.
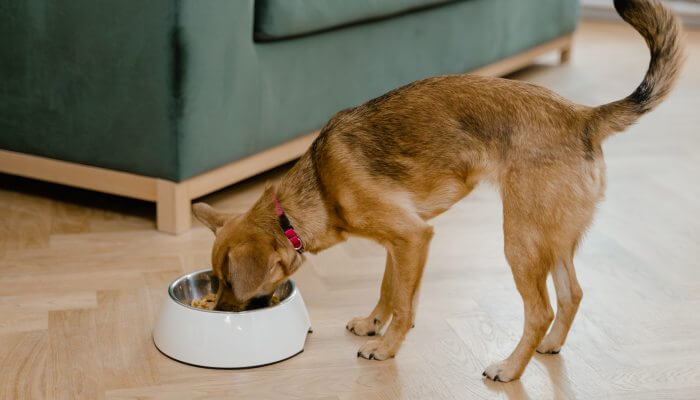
x=408, y=254
x=375, y=321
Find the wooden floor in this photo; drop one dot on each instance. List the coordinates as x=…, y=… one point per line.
x=82, y=276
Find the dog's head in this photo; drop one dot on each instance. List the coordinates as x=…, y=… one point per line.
x=248, y=257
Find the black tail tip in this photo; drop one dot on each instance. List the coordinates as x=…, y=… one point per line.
x=622, y=6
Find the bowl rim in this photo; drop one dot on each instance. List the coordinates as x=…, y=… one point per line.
x=174, y=283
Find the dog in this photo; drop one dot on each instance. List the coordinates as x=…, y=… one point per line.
x=382, y=169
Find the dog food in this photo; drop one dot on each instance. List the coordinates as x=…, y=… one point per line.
x=207, y=302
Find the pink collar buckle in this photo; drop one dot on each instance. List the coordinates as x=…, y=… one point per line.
x=287, y=227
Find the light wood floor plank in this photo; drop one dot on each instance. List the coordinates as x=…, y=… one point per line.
x=23, y=361
x=123, y=327
x=74, y=370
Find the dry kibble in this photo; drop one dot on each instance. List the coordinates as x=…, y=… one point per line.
x=207, y=302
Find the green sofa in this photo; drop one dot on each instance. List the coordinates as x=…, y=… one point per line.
x=173, y=89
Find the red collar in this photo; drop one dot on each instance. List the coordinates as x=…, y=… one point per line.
x=287, y=227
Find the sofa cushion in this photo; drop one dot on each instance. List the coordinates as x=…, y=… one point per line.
x=280, y=19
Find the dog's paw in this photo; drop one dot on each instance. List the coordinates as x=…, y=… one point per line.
x=548, y=347
x=502, y=371
x=364, y=326
x=376, y=349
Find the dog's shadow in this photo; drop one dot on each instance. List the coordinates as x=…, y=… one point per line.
x=555, y=367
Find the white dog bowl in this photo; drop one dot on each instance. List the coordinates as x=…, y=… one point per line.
x=222, y=339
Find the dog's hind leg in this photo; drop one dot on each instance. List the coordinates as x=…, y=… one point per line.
x=373, y=323
x=545, y=210
x=569, y=296
x=530, y=256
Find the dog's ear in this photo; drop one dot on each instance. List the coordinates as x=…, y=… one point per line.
x=209, y=216
x=250, y=265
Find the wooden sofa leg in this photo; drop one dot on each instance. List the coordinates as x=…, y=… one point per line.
x=172, y=207
x=565, y=54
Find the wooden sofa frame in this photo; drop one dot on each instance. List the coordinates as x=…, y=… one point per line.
x=173, y=199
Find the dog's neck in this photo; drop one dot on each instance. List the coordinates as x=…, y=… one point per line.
x=300, y=195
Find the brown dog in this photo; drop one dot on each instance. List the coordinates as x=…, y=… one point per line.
x=382, y=169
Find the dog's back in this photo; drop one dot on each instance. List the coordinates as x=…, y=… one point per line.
x=466, y=127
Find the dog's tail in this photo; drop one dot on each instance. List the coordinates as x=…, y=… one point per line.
x=662, y=32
